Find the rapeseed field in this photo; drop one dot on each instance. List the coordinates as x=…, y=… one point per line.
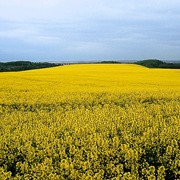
x=90, y=121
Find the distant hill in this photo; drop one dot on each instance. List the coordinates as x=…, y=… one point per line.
x=25, y=65
x=28, y=65
x=109, y=62
x=155, y=63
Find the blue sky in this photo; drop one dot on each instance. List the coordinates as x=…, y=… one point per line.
x=59, y=30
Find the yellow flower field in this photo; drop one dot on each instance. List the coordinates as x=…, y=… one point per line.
x=90, y=121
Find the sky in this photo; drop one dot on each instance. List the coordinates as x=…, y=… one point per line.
x=84, y=30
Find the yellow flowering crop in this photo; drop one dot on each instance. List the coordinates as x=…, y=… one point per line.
x=91, y=121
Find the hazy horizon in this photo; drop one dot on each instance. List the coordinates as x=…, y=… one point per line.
x=67, y=30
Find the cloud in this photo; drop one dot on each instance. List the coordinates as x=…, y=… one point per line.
x=71, y=10
x=90, y=29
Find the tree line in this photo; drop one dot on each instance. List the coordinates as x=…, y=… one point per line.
x=25, y=65
x=155, y=63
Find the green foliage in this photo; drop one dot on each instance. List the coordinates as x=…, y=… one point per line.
x=154, y=63
x=24, y=65
x=110, y=62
